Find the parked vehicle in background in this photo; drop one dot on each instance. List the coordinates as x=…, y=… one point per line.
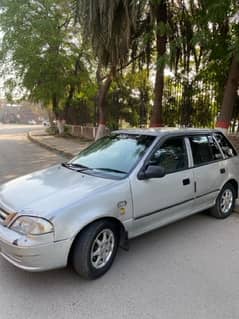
x=32, y=122
x=120, y=187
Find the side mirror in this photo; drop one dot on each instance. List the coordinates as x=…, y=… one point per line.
x=152, y=171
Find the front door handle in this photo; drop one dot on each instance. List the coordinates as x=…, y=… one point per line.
x=186, y=181
x=222, y=170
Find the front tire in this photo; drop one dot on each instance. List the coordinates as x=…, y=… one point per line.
x=225, y=202
x=95, y=249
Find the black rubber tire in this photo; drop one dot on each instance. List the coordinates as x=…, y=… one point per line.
x=82, y=247
x=216, y=210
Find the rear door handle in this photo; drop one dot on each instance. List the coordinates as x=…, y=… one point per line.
x=222, y=170
x=186, y=181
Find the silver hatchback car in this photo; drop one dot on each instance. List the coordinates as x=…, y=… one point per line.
x=121, y=186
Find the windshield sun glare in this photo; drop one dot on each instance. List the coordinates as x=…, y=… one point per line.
x=115, y=154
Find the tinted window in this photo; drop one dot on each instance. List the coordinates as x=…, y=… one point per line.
x=226, y=147
x=171, y=155
x=200, y=149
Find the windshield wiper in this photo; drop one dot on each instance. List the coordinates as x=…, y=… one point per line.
x=75, y=166
x=80, y=168
x=111, y=170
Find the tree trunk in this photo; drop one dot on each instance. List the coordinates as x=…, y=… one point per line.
x=71, y=91
x=50, y=116
x=60, y=126
x=59, y=120
x=186, y=112
x=104, y=88
x=55, y=108
x=234, y=125
x=68, y=103
x=160, y=12
x=230, y=93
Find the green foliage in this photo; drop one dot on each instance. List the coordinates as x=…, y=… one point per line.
x=63, y=64
x=39, y=38
x=129, y=100
x=109, y=26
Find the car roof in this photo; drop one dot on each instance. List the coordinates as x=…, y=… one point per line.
x=165, y=131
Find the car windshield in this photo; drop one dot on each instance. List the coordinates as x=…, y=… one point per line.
x=116, y=154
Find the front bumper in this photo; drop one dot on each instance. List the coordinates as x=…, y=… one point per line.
x=37, y=254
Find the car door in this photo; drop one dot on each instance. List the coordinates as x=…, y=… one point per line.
x=209, y=169
x=158, y=201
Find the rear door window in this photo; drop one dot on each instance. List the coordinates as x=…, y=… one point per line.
x=216, y=152
x=204, y=149
x=225, y=145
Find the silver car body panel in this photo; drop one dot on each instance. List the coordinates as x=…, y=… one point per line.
x=72, y=200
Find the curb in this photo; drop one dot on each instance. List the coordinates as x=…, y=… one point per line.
x=48, y=147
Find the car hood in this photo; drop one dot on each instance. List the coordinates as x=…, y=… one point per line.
x=44, y=192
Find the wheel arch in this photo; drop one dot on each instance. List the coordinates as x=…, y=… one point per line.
x=234, y=183
x=123, y=242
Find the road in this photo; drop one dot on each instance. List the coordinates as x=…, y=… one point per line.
x=18, y=156
x=188, y=270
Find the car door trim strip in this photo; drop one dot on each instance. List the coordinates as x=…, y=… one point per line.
x=174, y=205
x=160, y=210
x=214, y=191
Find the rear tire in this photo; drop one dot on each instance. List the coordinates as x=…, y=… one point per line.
x=95, y=248
x=225, y=202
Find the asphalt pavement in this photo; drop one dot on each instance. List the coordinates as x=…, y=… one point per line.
x=187, y=270
x=18, y=156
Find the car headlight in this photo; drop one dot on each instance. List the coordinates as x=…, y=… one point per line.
x=29, y=225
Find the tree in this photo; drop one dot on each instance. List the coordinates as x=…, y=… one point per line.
x=230, y=94
x=218, y=34
x=129, y=99
x=76, y=63
x=160, y=15
x=232, y=83
x=46, y=56
x=110, y=28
